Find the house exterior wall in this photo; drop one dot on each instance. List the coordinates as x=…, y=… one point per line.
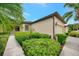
x=59, y=26
x=45, y=26
x=22, y=28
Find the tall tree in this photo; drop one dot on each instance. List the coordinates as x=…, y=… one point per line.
x=73, y=13
x=10, y=15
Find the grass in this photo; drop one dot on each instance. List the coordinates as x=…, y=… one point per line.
x=3, y=41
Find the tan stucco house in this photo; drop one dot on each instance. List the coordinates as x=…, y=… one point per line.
x=51, y=24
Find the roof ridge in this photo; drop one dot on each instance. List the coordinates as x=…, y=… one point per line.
x=52, y=14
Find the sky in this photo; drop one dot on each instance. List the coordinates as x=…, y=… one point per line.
x=35, y=11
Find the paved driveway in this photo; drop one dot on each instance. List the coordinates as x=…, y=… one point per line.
x=71, y=47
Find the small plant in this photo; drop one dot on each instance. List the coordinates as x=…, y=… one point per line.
x=61, y=38
x=41, y=47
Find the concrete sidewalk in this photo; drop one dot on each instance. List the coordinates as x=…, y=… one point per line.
x=71, y=47
x=13, y=48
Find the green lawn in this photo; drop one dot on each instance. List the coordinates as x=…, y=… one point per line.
x=3, y=41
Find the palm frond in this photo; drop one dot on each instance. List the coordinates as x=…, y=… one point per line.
x=69, y=5
x=10, y=14
x=67, y=14
x=67, y=19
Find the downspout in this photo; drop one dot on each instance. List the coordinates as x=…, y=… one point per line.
x=53, y=28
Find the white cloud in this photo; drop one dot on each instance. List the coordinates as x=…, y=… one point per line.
x=26, y=14
x=41, y=4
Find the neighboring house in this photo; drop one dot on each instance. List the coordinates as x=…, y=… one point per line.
x=51, y=24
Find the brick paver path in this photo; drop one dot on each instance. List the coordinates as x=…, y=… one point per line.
x=13, y=48
x=71, y=47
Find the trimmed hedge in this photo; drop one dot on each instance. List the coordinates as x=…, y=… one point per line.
x=40, y=35
x=74, y=34
x=3, y=42
x=61, y=38
x=3, y=33
x=41, y=47
x=22, y=36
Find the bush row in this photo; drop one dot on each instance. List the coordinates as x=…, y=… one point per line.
x=61, y=38
x=36, y=44
x=3, y=33
x=74, y=34
x=22, y=36
x=3, y=41
x=41, y=47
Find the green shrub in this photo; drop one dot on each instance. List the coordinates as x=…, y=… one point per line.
x=74, y=34
x=67, y=34
x=40, y=35
x=22, y=36
x=61, y=38
x=3, y=41
x=73, y=27
x=41, y=47
x=3, y=33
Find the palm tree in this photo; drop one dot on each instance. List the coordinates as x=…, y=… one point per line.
x=10, y=15
x=73, y=13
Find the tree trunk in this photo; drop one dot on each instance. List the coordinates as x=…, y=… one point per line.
x=77, y=13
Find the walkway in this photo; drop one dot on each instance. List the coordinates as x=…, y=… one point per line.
x=71, y=47
x=13, y=48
